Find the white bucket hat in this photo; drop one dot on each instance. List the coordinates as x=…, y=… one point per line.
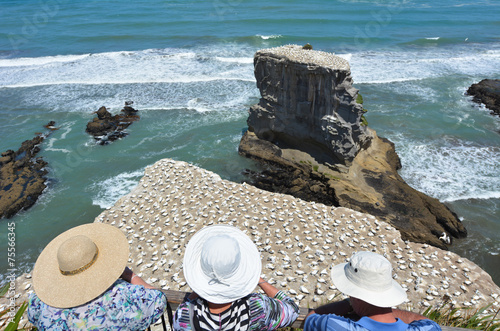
x=368, y=276
x=221, y=264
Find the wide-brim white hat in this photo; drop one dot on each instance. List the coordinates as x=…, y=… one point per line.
x=221, y=264
x=368, y=276
x=80, y=264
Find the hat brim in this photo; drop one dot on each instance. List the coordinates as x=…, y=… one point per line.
x=60, y=291
x=242, y=283
x=387, y=298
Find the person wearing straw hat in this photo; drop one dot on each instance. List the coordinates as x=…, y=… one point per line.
x=81, y=282
x=367, y=280
x=222, y=266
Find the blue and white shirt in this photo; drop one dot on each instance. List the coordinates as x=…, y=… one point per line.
x=331, y=322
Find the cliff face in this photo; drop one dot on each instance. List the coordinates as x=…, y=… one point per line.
x=308, y=98
x=306, y=129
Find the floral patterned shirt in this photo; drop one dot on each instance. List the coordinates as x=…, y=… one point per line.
x=122, y=307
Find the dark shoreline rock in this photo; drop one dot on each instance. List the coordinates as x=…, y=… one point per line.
x=22, y=177
x=307, y=132
x=106, y=127
x=487, y=92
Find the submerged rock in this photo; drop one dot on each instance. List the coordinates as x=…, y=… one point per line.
x=106, y=127
x=307, y=130
x=487, y=92
x=22, y=178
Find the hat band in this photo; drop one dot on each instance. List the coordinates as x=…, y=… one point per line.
x=83, y=268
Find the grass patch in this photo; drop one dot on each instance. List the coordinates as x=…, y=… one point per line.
x=467, y=318
x=364, y=122
x=359, y=99
x=4, y=314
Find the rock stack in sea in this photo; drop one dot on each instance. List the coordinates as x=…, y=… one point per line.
x=299, y=241
x=307, y=98
x=107, y=128
x=308, y=132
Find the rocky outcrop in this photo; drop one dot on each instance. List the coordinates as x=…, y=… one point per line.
x=366, y=180
x=308, y=102
x=487, y=92
x=21, y=177
x=106, y=128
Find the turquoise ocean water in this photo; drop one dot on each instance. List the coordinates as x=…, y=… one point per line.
x=188, y=67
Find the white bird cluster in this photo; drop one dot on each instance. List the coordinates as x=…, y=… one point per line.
x=299, y=241
x=296, y=53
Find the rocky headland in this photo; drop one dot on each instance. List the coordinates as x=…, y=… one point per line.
x=308, y=131
x=107, y=128
x=22, y=177
x=487, y=92
x=299, y=241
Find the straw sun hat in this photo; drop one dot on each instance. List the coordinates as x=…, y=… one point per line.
x=80, y=264
x=221, y=264
x=368, y=276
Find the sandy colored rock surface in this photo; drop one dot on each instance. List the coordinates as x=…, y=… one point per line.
x=299, y=241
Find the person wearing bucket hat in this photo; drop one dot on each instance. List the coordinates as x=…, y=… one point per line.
x=81, y=282
x=222, y=266
x=367, y=280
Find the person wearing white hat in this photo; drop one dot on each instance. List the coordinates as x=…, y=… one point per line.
x=81, y=282
x=222, y=266
x=367, y=280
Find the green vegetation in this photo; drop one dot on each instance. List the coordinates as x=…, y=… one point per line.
x=316, y=167
x=467, y=318
x=364, y=122
x=14, y=325
x=307, y=46
x=359, y=99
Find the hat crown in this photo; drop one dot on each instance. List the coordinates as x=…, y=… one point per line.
x=76, y=254
x=370, y=271
x=220, y=258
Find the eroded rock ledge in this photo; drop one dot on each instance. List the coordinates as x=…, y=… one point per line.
x=308, y=123
x=22, y=177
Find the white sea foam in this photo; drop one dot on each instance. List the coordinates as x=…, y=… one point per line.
x=201, y=80
x=112, y=189
x=432, y=38
x=269, y=36
x=452, y=170
x=150, y=66
x=387, y=67
x=39, y=61
x=235, y=59
x=346, y=56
